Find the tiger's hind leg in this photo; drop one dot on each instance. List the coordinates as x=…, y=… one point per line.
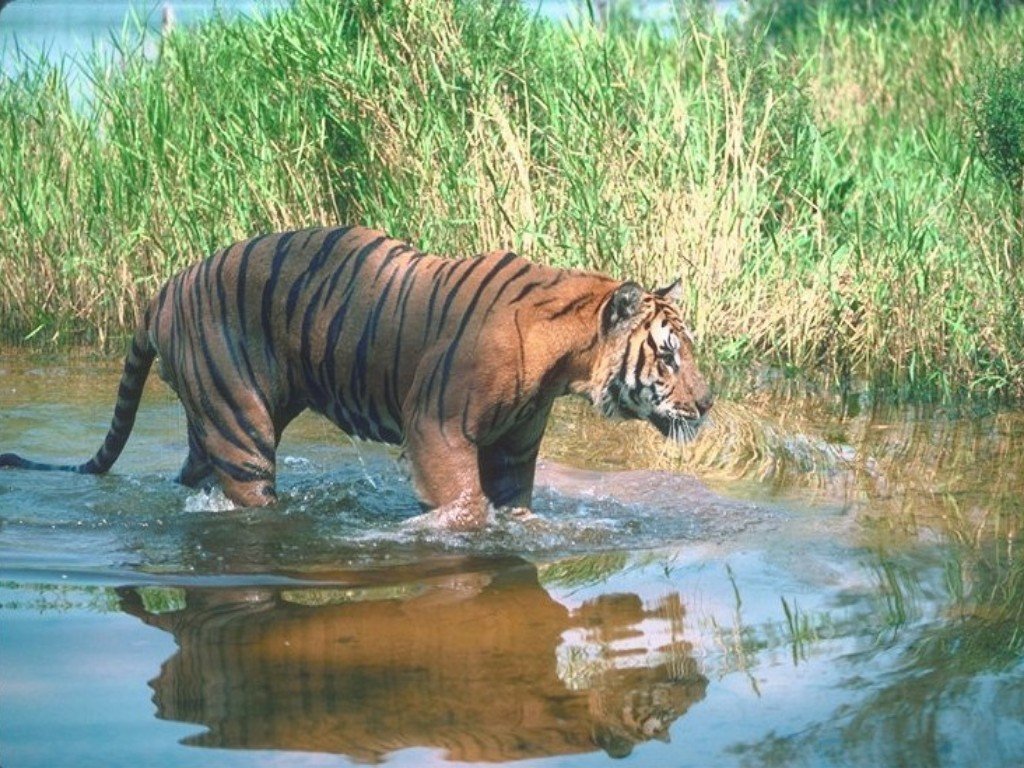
x=246, y=474
x=197, y=471
x=236, y=443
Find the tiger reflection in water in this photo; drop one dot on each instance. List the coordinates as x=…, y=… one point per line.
x=472, y=657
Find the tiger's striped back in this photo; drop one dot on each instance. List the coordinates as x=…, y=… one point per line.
x=340, y=320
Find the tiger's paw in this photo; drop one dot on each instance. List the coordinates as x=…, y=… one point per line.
x=447, y=518
x=519, y=514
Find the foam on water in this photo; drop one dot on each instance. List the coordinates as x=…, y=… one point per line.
x=209, y=500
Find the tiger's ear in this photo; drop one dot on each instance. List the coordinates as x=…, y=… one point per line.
x=623, y=304
x=673, y=293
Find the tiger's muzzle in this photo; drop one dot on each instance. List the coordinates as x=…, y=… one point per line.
x=682, y=424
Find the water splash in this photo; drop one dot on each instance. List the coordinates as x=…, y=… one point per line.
x=209, y=500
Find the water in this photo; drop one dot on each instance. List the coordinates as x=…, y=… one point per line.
x=815, y=582
x=64, y=31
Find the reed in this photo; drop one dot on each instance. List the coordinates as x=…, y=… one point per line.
x=818, y=193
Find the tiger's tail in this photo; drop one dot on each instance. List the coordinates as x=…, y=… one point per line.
x=136, y=368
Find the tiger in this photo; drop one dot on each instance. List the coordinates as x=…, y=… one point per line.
x=458, y=361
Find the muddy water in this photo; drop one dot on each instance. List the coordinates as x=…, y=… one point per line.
x=814, y=582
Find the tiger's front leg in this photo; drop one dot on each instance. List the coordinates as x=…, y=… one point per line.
x=443, y=465
x=508, y=464
x=464, y=481
x=507, y=468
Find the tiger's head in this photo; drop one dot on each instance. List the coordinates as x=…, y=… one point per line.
x=647, y=369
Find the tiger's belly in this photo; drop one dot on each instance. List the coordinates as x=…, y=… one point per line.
x=368, y=424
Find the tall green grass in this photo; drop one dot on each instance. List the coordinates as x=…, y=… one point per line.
x=818, y=192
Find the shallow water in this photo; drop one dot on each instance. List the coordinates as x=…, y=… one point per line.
x=814, y=582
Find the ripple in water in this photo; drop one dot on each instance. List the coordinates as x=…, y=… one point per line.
x=354, y=512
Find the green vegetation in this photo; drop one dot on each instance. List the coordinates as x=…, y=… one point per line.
x=998, y=116
x=816, y=184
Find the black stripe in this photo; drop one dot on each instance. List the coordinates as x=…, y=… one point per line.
x=408, y=280
x=574, y=304
x=394, y=408
x=249, y=372
x=173, y=332
x=281, y=252
x=187, y=328
x=162, y=298
x=391, y=255
x=556, y=279
x=237, y=347
x=449, y=356
x=129, y=388
x=360, y=425
x=316, y=262
x=383, y=432
x=312, y=383
x=209, y=409
x=329, y=370
x=450, y=266
x=360, y=257
x=339, y=415
x=358, y=374
x=642, y=357
x=380, y=304
x=136, y=368
x=526, y=291
x=225, y=392
x=405, y=290
x=519, y=273
x=243, y=274
x=241, y=473
x=455, y=291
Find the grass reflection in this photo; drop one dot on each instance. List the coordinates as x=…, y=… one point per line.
x=904, y=472
x=56, y=598
x=986, y=628
x=943, y=690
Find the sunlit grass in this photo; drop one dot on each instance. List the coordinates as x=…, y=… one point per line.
x=818, y=195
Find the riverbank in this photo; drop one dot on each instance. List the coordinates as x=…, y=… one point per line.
x=819, y=191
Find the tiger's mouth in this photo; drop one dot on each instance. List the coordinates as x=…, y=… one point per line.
x=681, y=429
